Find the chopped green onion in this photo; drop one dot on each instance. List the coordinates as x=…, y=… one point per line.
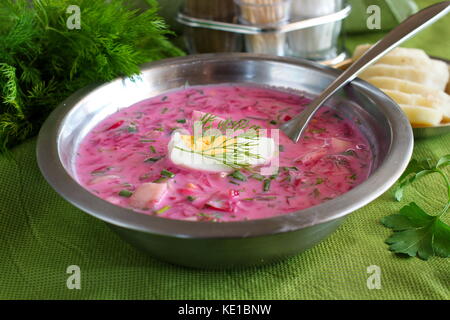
x=273, y=122
x=268, y=198
x=181, y=120
x=162, y=179
x=154, y=159
x=147, y=140
x=274, y=176
x=233, y=182
x=257, y=176
x=191, y=198
x=319, y=181
x=238, y=176
x=152, y=149
x=125, y=193
x=98, y=172
x=290, y=168
x=349, y=152
x=266, y=185
x=162, y=210
x=167, y=173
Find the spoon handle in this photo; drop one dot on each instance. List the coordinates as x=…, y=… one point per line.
x=415, y=23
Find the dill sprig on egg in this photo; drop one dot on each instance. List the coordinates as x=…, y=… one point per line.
x=234, y=152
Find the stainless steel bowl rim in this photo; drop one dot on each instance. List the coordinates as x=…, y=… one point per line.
x=381, y=180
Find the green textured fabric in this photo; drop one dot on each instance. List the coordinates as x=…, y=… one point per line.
x=41, y=235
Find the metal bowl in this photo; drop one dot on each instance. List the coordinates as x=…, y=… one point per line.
x=228, y=244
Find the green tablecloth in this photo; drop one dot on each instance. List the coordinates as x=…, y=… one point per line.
x=41, y=235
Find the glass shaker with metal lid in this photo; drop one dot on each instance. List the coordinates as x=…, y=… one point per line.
x=201, y=40
x=320, y=42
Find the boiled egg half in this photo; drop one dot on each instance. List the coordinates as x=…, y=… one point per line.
x=220, y=153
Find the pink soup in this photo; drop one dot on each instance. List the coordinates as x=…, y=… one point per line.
x=124, y=159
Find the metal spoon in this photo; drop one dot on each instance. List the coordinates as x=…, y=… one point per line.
x=295, y=127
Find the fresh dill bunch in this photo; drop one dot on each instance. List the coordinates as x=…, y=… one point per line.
x=42, y=61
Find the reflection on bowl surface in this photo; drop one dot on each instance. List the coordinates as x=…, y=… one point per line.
x=381, y=129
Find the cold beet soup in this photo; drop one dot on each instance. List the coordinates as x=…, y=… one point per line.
x=215, y=153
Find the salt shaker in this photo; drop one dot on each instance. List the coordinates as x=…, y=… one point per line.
x=316, y=43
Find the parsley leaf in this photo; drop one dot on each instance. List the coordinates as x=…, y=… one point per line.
x=443, y=162
x=417, y=169
x=418, y=233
